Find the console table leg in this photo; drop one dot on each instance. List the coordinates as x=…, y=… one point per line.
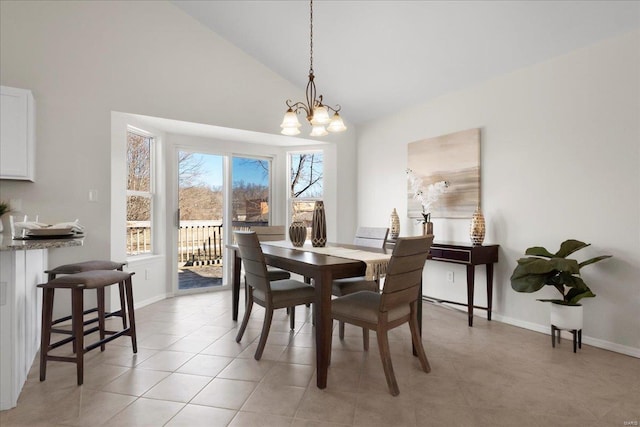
x=470, y=288
x=489, y=290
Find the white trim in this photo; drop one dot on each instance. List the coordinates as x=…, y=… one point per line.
x=595, y=342
x=149, y=301
x=140, y=132
x=133, y=260
x=607, y=345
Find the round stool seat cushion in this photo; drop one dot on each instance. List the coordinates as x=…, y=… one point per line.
x=79, y=267
x=89, y=279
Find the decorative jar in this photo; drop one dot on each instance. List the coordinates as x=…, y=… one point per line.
x=319, y=225
x=477, y=228
x=297, y=233
x=394, y=225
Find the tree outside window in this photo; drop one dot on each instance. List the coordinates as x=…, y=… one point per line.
x=139, y=194
x=306, y=185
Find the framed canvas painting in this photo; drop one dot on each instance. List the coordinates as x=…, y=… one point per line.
x=454, y=158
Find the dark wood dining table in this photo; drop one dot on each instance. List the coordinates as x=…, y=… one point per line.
x=323, y=269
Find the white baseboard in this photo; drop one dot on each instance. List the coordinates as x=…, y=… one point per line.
x=543, y=329
x=546, y=329
x=148, y=301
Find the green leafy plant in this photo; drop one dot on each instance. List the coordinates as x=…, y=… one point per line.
x=545, y=268
x=4, y=208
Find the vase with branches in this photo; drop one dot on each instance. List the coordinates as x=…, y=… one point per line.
x=427, y=196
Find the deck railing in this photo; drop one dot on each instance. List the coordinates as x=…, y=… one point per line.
x=199, y=242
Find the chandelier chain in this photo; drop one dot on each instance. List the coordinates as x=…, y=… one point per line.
x=317, y=112
x=311, y=38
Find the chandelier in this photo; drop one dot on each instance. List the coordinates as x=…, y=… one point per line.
x=317, y=113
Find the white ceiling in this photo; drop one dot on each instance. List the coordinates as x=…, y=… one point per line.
x=375, y=57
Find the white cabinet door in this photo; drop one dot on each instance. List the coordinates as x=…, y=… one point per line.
x=17, y=134
x=20, y=319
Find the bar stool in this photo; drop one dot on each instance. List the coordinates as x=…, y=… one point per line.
x=80, y=267
x=78, y=283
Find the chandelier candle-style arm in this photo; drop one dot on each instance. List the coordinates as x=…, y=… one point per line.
x=317, y=113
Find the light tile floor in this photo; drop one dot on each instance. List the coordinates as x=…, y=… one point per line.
x=189, y=371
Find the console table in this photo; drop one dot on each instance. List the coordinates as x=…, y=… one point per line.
x=469, y=255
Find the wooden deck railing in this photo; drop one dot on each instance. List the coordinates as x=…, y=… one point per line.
x=199, y=242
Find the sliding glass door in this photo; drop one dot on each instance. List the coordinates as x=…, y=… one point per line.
x=200, y=230
x=202, y=204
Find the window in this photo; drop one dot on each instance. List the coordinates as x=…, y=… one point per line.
x=306, y=180
x=250, y=191
x=139, y=193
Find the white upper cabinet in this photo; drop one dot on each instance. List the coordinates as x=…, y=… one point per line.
x=17, y=139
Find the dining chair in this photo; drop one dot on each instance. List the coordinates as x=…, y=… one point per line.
x=270, y=233
x=271, y=295
x=396, y=305
x=372, y=237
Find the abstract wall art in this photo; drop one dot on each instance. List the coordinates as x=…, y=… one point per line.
x=454, y=158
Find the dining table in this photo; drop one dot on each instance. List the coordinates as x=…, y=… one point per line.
x=322, y=265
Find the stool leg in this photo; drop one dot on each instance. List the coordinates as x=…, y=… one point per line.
x=122, y=309
x=45, y=337
x=132, y=318
x=77, y=308
x=101, y=313
x=553, y=336
x=575, y=339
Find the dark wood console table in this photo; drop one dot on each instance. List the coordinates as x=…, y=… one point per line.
x=469, y=255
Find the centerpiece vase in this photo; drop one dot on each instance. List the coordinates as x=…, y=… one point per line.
x=427, y=228
x=319, y=226
x=297, y=233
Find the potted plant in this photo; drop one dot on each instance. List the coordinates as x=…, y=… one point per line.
x=555, y=269
x=4, y=208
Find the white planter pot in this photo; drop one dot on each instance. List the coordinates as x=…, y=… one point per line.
x=568, y=317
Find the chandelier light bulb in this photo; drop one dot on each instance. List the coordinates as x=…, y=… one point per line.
x=319, y=131
x=290, y=120
x=336, y=125
x=320, y=116
x=290, y=131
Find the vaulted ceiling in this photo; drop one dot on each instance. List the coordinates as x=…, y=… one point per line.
x=376, y=57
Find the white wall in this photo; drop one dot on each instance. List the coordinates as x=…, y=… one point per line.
x=83, y=60
x=559, y=159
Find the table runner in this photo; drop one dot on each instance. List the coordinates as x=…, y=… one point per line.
x=376, y=262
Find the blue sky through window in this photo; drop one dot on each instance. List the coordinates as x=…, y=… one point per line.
x=244, y=169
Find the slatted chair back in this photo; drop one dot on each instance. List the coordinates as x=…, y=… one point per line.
x=269, y=233
x=255, y=267
x=372, y=237
x=404, y=272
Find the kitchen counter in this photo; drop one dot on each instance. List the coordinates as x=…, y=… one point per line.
x=22, y=266
x=9, y=244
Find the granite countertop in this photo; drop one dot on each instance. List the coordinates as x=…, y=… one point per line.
x=9, y=244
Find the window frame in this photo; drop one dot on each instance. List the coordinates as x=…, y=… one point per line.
x=290, y=199
x=270, y=180
x=151, y=194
